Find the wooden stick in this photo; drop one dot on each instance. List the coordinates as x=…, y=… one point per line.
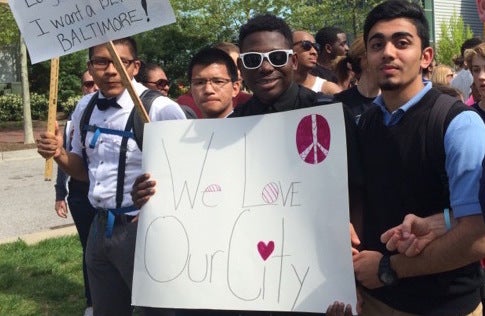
x=127, y=82
x=51, y=116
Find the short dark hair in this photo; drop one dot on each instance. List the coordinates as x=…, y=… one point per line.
x=127, y=41
x=211, y=55
x=145, y=68
x=265, y=22
x=469, y=43
x=394, y=9
x=328, y=35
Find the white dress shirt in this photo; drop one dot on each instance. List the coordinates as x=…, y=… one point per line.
x=103, y=158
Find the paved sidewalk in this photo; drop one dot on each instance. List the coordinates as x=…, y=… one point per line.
x=28, y=200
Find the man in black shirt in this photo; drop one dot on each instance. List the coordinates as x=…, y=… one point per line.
x=267, y=64
x=333, y=43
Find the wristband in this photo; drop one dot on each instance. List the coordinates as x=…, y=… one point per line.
x=446, y=214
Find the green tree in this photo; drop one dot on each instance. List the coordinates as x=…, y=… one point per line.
x=9, y=33
x=312, y=15
x=452, y=35
x=202, y=23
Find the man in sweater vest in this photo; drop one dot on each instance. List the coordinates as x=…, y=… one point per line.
x=402, y=177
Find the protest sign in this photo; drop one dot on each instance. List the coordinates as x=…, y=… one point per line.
x=249, y=214
x=53, y=28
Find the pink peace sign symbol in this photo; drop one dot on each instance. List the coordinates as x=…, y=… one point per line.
x=313, y=139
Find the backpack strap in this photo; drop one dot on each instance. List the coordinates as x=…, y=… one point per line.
x=147, y=98
x=85, y=122
x=435, y=131
x=323, y=99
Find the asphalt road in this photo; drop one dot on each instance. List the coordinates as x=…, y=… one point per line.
x=27, y=200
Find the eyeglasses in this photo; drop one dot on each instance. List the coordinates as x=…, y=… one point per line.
x=277, y=58
x=103, y=63
x=88, y=84
x=307, y=45
x=216, y=83
x=161, y=83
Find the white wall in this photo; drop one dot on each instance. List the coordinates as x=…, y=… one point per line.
x=443, y=10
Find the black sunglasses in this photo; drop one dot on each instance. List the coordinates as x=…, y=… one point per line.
x=88, y=84
x=307, y=45
x=160, y=83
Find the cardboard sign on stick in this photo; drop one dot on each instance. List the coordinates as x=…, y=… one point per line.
x=249, y=214
x=53, y=28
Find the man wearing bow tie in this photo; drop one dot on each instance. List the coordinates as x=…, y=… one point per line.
x=111, y=162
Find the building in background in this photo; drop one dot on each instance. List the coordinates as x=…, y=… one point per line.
x=439, y=11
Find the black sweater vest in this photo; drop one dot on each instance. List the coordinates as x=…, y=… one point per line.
x=402, y=177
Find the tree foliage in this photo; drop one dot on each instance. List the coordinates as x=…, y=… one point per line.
x=453, y=33
x=201, y=23
x=9, y=33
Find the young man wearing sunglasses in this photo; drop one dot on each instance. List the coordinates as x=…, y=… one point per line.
x=87, y=83
x=153, y=77
x=111, y=162
x=267, y=62
x=306, y=51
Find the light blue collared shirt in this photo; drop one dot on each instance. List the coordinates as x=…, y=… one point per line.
x=464, y=143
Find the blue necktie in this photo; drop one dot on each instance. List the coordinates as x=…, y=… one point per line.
x=104, y=104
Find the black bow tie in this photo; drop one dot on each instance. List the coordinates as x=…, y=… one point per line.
x=104, y=104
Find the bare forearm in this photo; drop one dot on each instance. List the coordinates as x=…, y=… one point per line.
x=72, y=164
x=462, y=245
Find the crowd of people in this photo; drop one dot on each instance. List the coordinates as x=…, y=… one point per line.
x=415, y=153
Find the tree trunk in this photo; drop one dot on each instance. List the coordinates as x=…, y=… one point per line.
x=28, y=131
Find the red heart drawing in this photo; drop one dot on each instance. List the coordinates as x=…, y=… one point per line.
x=265, y=250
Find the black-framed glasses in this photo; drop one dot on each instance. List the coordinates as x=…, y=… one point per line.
x=103, y=63
x=88, y=84
x=277, y=58
x=307, y=45
x=216, y=83
x=161, y=83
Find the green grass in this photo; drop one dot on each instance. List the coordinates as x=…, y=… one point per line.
x=43, y=279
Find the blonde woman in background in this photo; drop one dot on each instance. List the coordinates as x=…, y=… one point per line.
x=442, y=74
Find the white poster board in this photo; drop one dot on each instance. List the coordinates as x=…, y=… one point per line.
x=249, y=214
x=53, y=28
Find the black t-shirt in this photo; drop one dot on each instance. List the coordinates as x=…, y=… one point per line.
x=355, y=101
x=295, y=97
x=324, y=73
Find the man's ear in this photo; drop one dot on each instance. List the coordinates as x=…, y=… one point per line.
x=136, y=67
x=427, y=57
x=328, y=48
x=236, y=88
